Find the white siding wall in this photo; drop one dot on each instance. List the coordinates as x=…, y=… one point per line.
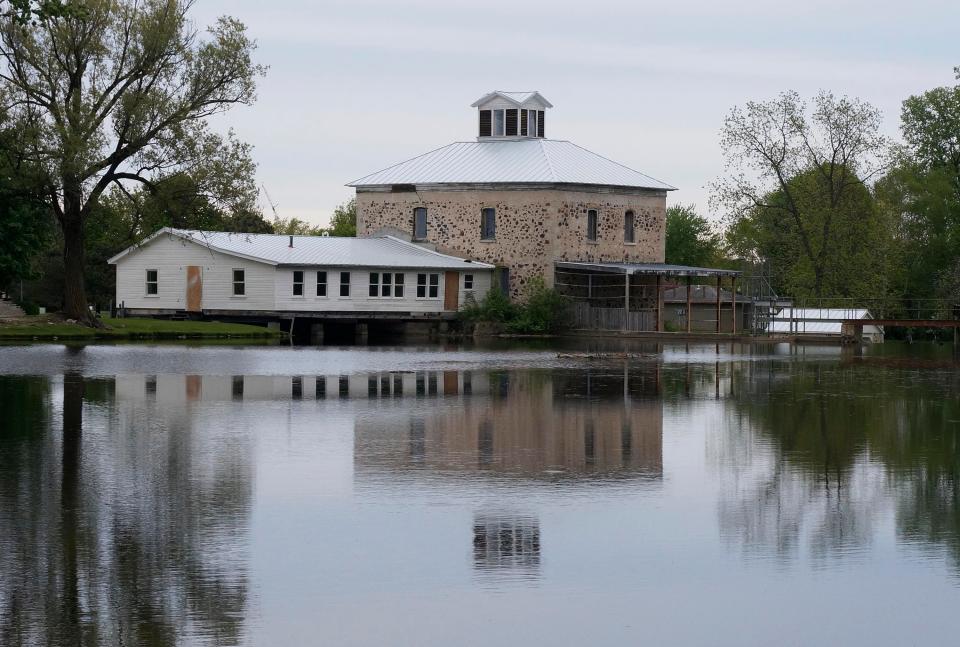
x=359, y=299
x=170, y=256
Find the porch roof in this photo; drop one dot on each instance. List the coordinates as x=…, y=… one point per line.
x=650, y=269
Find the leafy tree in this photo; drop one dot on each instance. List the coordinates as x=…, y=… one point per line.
x=25, y=223
x=343, y=222
x=859, y=249
x=922, y=194
x=690, y=239
x=118, y=93
x=808, y=168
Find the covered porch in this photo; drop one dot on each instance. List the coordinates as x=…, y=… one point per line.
x=629, y=297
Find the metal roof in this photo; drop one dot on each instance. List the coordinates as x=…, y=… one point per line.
x=819, y=321
x=274, y=249
x=516, y=97
x=646, y=268
x=519, y=161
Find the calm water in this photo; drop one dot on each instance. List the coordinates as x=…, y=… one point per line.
x=168, y=495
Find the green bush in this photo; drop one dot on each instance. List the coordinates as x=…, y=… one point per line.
x=545, y=311
x=29, y=308
x=496, y=306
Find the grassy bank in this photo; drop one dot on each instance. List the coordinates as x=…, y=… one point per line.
x=48, y=328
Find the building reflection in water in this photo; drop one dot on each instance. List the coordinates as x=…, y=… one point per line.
x=503, y=542
x=602, y=424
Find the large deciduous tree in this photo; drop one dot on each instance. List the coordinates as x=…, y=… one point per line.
x=118, y=93
x=922, y=193
x=805, y=168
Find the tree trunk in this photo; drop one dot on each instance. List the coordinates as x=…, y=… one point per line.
x=74, y=260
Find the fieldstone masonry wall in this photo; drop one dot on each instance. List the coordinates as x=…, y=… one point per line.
x=535, y=227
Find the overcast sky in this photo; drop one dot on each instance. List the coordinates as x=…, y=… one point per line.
x=358, y=85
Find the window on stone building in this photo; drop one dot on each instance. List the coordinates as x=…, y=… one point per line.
x=488, y=224
x=591, y=224
x=420, y=223
x=629, y=235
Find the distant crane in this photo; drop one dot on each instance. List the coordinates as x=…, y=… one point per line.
x=273, y=207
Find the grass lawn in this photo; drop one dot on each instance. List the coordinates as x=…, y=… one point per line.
x=49, y=328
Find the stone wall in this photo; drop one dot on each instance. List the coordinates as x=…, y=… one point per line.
x=535, y=227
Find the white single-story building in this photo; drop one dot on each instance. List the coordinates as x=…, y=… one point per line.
x=223, y=274
x=822, y=322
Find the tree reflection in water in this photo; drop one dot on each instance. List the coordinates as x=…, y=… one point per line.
x=816, y=453
x=121, y=540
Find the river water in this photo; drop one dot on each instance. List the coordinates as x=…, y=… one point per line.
x=683, y=495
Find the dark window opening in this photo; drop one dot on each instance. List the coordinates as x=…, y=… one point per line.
x=488, y=224
x=239, y=283
x=344, y=284
x=321, y=388
x=298, y=283
x=468, y=281
x=540, y=129
x=628, y=228
x=524, y=125
x=591, y=224
x=512, y=122
x=152, y=281
x=420, y=223
x=321, y=284
x=486, y=123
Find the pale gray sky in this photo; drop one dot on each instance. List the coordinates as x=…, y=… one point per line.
x=357, y=85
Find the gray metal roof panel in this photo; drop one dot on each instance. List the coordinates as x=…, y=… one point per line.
x=646, y=268
x=274, y=249
x=519, y=161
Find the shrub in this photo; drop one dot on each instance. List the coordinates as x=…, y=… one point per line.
x=29, y=308
x=545, y=311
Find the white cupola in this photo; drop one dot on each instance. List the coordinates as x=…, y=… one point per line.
x=511, y=115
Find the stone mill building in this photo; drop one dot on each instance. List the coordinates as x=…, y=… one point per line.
x=517, y=199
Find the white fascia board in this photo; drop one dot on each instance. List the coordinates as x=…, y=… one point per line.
x=191, y=239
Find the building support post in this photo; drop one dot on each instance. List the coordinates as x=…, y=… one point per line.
x=659, y=306
x=689, y=302
x=626, y=302
x=719, y=285
x=733, y=304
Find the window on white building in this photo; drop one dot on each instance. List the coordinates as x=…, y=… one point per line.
x=152, y=287
x=428, y=286
x=386, y=284
x=239, y=283
x=468, y=281
x=321, y=284
x=344, y=284
x=298, y=283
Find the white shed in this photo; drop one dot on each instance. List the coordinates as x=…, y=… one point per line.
x=822, y=322
x=219, y=273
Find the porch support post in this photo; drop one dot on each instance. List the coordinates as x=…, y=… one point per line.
x=733, y=305
x=626, y=301
x=689, y=302
x=659, y=305
x=719, y=279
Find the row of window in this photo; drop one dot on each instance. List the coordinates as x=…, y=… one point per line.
x=382, y=284
x=488, y=224
x=510, y=122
